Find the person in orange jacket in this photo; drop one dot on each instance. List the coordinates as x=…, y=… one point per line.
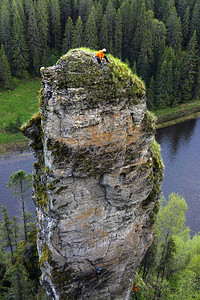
x=100, y=55
x=135, y=291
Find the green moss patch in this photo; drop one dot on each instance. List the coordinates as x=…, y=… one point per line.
x=157, y=173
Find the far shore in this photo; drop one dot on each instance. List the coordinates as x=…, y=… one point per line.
x=171, y=116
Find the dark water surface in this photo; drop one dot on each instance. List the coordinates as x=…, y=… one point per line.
x=180, y=150
x=8, y=165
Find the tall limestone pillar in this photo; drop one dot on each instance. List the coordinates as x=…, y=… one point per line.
x=97, y=178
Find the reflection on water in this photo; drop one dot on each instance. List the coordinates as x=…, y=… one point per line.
x=180, y=149
x=8, y=165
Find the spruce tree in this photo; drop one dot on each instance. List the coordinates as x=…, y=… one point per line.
x=55, y=24
x=103, y=39
x=195, y=21
x=20, y=183
x=77, y=38
x=68, y=34
x=19, y=47
x=6, y=231
x=42, y=17
x=110, y=16
x=90, y=34
x=128, y=28
x=151, y=94
x=158, y=32
x=98, y=17
x=145, y=58
x=190, y=69
x=66, y=10
x=33, y=41
x=164, y=84
x=6, y=80
x=23, y=17
x=84, y=10
x=5, y=28
x=118, y=35
x=174, y=30
x=21, y=286
x=141, y=28
x=186, y=26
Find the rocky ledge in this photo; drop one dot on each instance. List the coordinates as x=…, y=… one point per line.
x=97, y=178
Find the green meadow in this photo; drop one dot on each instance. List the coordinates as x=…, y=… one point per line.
x=17, y=106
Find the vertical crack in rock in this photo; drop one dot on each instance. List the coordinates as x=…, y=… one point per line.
x=97, y=179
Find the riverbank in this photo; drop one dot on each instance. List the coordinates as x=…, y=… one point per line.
x=170, y=116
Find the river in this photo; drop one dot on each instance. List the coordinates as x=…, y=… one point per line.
x=180, y=149
x=9, y=164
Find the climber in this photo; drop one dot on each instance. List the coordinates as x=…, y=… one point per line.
x=100, y=56
x=99, y=271
x=135, y=291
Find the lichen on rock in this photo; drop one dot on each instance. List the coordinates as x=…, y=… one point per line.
x=97, y=179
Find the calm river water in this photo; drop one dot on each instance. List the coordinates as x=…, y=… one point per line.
x=180, y=149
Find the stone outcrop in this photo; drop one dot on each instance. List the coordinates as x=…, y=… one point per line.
x=97, y=178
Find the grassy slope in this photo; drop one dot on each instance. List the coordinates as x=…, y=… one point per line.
x=22, y=102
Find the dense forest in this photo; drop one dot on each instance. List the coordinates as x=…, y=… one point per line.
x=159, y=40
x=169, y=271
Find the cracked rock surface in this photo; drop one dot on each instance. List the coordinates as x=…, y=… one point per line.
x=97, y=178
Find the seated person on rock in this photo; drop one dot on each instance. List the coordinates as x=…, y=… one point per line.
x=100, y=55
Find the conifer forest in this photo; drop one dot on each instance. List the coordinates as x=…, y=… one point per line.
x=158, y=39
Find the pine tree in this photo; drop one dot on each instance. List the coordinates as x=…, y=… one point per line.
x=118, y=35
x=141, y=28
x=33, y=41
x=190, y=69
x=195, y=21
x=145, y=58
x=21, y=286
x=6, y=231
x=90, y=34
x=77, y=38
x=15, y=231
x=110, y=16
x=42, y=17
x=23, y=17
x=67, y=41
x=151, y=94
x=20, y=182
x=174, y=30
x=55, y=23
x=66, y=10
x=186, y=26
x=164, y=83
x=19, y=47
x=103, y=39
x=5, y=28
x=158, y=32
x=85, y=9
x=128, y=29
x=6, y=80
x=98, y=17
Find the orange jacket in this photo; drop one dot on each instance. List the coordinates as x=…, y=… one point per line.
x=135, y=288
x=100, y=54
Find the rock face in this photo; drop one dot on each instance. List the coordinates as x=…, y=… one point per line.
x=97, y=179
